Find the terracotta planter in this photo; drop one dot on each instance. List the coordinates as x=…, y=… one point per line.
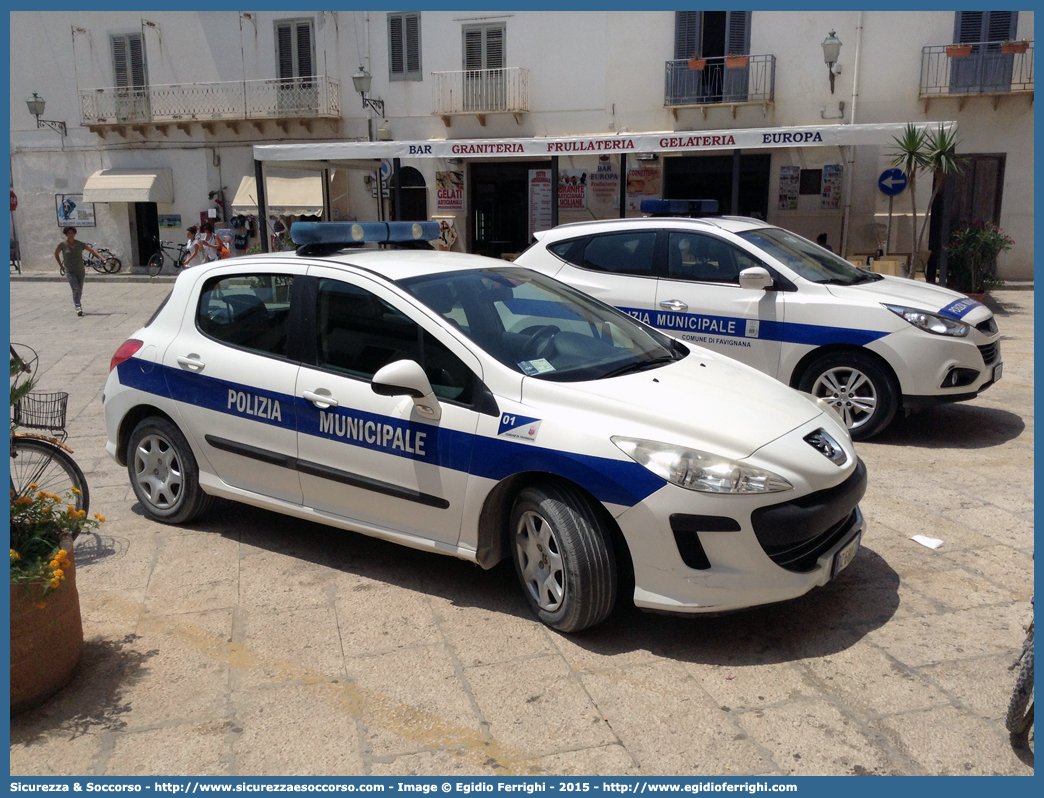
x=736, y=62
x=46, y=638
x=958, y=50
x=977, y=297
x=697, y=63
x=1011, y=48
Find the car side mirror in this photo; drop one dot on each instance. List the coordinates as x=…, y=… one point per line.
x=407, y=378
x=756, y=278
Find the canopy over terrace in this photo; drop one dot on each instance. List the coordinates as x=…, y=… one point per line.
x=367, y=154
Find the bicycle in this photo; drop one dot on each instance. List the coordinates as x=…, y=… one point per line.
x=167, y=250
x=1019, y=718
x=41, y=461
x=107, y=264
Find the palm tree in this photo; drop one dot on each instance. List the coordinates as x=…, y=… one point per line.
x=941, y=161
x=909, y=156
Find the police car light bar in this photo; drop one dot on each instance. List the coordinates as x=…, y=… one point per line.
x=679, y=207
x=347, y=233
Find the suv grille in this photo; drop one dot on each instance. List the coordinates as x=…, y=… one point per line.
x=990, y=353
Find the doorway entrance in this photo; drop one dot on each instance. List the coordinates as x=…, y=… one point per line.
x=414, y=196
x=146, y=227
x=710, y=177
x=976, y=198
x=499, y=202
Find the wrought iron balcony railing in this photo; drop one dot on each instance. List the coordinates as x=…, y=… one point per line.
x=995, y=68
x=720, y=81
x=479, y=92
x=278, y=99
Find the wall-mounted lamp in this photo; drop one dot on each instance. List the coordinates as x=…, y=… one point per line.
x=362, y=79
x=36, y=108
x=831, y=50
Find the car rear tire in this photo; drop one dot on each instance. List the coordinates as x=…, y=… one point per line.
x=163, y=472
x=859, y=388
x=563, y=557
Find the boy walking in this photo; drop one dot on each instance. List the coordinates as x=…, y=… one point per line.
x=71, y=265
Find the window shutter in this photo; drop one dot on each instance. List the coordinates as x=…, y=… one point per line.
x=137, y=61
x=1000, y=25
x=473, y=49
x=686, y=33
x=285, y=48
x=128, y=60
x=413, y=60
x=968, y=27
x=395, y=45
x=304, y=50
x=494, y=48
x=119, y=60
x=737, y=32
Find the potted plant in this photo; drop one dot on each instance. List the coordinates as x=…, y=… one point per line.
x=1010, y=47
x=736, y=60
x=697, y=63
x=958, y=50
x=972, y=256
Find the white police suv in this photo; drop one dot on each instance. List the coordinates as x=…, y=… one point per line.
x=466, y=406
x=868, y=344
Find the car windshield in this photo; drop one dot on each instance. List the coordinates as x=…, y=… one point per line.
x=540, y=327
x=808, y=260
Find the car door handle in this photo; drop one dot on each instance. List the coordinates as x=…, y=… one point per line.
x=673, y=304
x=320, y=399
x=191, y=362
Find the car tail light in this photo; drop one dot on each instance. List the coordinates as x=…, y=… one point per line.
x=126, y=350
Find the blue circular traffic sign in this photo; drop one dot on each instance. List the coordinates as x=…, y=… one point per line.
x=892, y=182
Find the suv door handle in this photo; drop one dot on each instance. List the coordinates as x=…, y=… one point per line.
x=320, y=399
x=191, y=362
x=674, y=304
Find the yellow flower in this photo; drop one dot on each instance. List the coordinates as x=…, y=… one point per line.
x=54, y=584
x=40, y=606
x=59, y=573
x=55, y=564
x=62, y=554
x=23, y=501
x=45, y=510
x=77, y=491
x=33, y=486
x=101, y=518
x=15, y=555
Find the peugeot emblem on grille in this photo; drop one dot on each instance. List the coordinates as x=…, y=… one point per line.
x=821, y=441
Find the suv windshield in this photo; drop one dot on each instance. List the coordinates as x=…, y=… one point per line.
x=540, y=327
x=808, y=260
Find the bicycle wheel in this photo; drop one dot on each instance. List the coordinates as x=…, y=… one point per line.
x=1020, y=708
x=155, y=264
x=96, y=263
x=50, y=468
x=113, y=264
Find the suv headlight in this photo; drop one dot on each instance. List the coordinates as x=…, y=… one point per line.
x=702, y=471
x=931, y=322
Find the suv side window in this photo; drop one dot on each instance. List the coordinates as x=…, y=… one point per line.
x=359, y=333
x=249, y=311
x=704, y=258
x=621, y=253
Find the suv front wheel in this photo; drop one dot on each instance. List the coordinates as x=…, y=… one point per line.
x=859, y=388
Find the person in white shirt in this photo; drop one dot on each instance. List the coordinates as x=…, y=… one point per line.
x=209, y=242
x=195, y=256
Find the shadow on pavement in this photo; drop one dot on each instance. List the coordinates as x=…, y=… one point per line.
x=957, y=426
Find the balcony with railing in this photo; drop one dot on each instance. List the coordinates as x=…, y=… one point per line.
x=207, y=104
x=707, y=82
x=479, y=92
x=995, y=69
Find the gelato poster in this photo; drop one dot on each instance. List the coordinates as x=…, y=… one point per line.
x=830, y=196
x=572, y=189
x=539, y=200
x=449, y=187
x=789, y=185
x=642, y=183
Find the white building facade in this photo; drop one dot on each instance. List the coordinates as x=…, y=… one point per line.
x=187, y=96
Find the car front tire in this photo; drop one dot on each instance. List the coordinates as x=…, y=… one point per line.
x=563, y=557
x=860, y=389
x=163, y=472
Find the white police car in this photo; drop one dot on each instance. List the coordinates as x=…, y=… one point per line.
x=466, y=406
x=868, y=344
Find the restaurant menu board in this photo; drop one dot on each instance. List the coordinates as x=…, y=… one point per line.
x=642, y=183
x=789, y=185
x=449, y=188
x=539, y=200
x=830, y=194
x=572, y=189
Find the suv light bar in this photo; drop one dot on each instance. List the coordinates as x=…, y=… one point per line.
x=348, y=233
x=679, y=207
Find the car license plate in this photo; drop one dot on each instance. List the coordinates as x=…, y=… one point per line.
x=844, y=557
x=997, y=371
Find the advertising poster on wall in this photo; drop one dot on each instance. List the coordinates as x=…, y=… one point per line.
x=642, y=183
x=170, y=221
x=830, y=195
x=447, y=235
x=73, y=211
x=449, y=188
x=605, y=183
x=539, y=200
x=572, y=189
x=789, y=185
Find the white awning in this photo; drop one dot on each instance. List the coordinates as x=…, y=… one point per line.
x=285, y=196
x=130, y=185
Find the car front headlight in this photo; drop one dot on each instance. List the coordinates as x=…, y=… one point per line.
x=931, y=322
x=702, y=471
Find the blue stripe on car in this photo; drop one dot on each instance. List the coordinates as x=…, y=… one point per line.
x=960, y=308
x=612, y=481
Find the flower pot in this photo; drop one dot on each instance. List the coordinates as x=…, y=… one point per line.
x=736, y=61
x=1011, y=48
x=958, y=50
x=697, y=63
x=978, y=297
x=46, y=638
